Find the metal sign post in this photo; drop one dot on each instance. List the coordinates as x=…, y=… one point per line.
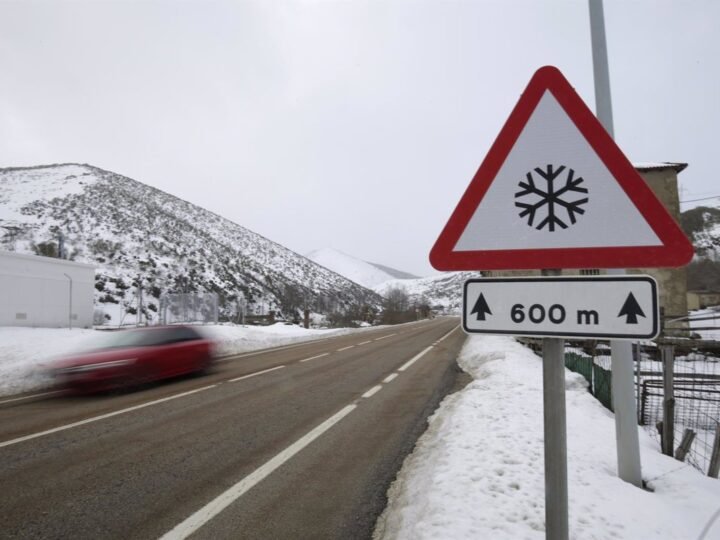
x=623, y=394
x=555, y=431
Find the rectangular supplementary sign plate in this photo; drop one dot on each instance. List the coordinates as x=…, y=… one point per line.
x=611, y=307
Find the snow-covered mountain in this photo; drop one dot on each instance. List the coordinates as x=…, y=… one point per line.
x=132, y=231
x=366, y=274
x=443, y=292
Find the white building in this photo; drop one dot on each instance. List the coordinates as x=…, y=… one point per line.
x=42, y=291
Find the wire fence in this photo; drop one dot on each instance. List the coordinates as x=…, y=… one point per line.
x=687, y=397
x=188, y=308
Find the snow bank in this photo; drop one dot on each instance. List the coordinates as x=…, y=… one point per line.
x=478, y=472
x=25, y=352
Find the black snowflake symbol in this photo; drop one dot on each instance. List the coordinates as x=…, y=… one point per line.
x=551, y=198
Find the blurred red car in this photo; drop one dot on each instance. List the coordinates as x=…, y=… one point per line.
x=134, y=357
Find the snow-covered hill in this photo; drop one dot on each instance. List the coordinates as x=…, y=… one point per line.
x=362, y=272
x=132, y=231
x=702, y=225
x=443, y=292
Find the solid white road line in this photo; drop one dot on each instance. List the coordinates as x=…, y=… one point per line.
x=390, y=378
x=389, y=335
x=314, y=357
x=31, y=396
x=255, y=374
x=102, y=417
x=374, y=390
x=217, y=505
x=415, y=359
x=446, y=335
x=345, y=348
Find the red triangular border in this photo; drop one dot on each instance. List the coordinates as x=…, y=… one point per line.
x=675, y=250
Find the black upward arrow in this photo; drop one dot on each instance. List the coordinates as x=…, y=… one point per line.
x=481, y=308
x=631, y=309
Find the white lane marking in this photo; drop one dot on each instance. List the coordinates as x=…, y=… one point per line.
x=414, y=359
x=390, y=378
x=446, y=335
x=389, y=335
x=275, y=349
x=222, y=501
x=365, y=342
x=102, y=417
x=314, y=357
x=345, y=348
x=374, y=390
x=255, y=374
x=31, y=396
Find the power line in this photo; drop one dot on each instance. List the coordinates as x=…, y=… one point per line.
x=703, y=199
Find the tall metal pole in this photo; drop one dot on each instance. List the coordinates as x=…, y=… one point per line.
x=69, y=302
x=623, y=395
x=555, y=431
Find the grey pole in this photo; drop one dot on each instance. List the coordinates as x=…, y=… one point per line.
x=69, y=302
x=555, y=431
x=623, y=395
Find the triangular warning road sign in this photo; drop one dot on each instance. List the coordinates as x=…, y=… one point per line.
x=555, y=191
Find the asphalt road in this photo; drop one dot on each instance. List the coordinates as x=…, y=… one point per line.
x=294, y=442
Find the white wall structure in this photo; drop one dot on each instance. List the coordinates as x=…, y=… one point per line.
x=35, y=291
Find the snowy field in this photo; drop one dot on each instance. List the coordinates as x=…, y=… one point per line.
x=478, y=470
x=24, y=352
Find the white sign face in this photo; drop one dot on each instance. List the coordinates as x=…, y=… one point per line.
x=553, y=191
x=610, y=307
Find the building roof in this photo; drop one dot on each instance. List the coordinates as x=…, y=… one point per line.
x=30, y=258
x=659, y=166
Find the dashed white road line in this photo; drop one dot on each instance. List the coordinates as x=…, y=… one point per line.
x=30, y=396
x=365, y=342
x=389, y=335
x=415, y=358
x=314, y=357
x=374, y=390
x=220, y=503
x=217, y=505
x=256, y=374
x=102, y=417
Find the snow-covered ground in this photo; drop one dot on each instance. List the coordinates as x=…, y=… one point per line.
x=478, y=470
x=25, y=352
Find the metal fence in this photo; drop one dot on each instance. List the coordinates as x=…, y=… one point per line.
x=188, y=307
x=678, y=399
x=679, y=404
x=598, y=377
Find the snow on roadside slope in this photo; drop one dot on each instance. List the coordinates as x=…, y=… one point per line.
x=24, y=352
x=478, y=471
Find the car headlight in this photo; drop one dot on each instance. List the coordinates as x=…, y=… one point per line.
x=99, y=365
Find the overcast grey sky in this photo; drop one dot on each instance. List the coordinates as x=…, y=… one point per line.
x=355, y=125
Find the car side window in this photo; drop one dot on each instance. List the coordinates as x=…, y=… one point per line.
x=183, y=334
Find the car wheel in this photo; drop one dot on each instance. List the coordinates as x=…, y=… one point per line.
x=205, y=366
